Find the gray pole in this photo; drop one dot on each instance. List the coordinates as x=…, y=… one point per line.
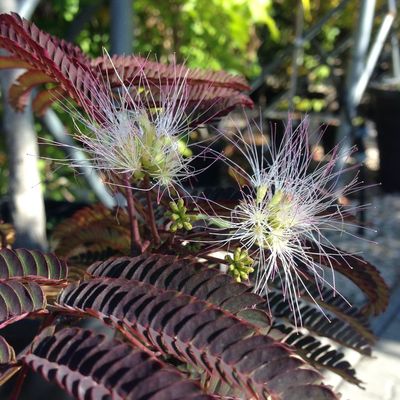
x=280, y=58
x=362, y=38
x=297, y=58
x=395, y=43
x=121, y=26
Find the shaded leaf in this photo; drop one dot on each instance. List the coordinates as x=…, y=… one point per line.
x=349, y=329
x=318, y=354
x=364, y=275
x=209, y=284
x=92, y=233
x=331, y=302
x=19, y=92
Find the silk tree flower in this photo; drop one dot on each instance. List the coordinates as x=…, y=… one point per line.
x=285, y=212
x=143, y=132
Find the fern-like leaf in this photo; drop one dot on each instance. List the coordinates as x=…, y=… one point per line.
x=344, y=326
x=21, y=273
x=208, y=284
x=195, y=332
x=210, y=94
x=188, y=277
x=90, y=366
x=213, y=94
x=336, y=305
x=61, y=62
x=130, y=68
x=318, y=354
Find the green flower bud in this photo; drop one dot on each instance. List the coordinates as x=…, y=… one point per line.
x=188, y=226
x=276, y=199
x=240, y=265
x=261, y=193
x=179, y=217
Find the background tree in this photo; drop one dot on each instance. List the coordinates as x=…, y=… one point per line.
x=25, y=192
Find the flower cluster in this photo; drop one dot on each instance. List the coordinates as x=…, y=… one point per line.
x=286, y=211
x=142, y=132
x=240, y=265
x=180, y=219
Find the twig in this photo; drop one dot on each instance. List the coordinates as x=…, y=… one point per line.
x=136, y=242
x=20, y=381
x=152, y=220
x=47, y=321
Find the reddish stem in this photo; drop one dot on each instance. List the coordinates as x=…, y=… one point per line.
x=152, y=220
x=47, y=321
x=20, y=381
x=136, y=242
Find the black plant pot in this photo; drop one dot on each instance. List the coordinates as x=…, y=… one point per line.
x=386, y=113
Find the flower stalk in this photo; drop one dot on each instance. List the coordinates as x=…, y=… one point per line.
x=136, y=241
x=150, y=213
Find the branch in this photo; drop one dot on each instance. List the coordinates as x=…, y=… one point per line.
x=136, y=242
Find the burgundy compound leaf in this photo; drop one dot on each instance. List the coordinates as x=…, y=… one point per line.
x=91, y=366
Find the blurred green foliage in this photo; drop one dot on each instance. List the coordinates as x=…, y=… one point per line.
x=218, y=34
x=239, y=36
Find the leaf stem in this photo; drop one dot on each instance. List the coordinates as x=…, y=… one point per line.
x=20, y=381
x=152, y=220
x=136, y=242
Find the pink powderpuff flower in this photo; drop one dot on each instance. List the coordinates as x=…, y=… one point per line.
x=143, y=132
x=285, y=212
